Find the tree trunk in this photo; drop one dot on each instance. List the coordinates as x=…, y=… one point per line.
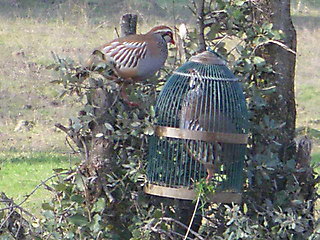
x=101, y=160
x=284, y=62
x=101, y=151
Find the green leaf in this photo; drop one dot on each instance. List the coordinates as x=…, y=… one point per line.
x=78, y=220
x=95, y=224
x=157, y=213
x=46, y=206
x=48, y=214
x=99, y=135
x=109, y=126
x=99, y=205
x=80, y=182
x=148, y=130
x=135, y=124
x=152, y=111
x=58, y=170
x=56, y=81
x=267, y=26
x=76, y=124
x=60, y=187
x=77, y=198
x=70, y=235
x=245, y=208
x=247, y=65
x=214, y=30
x=239, y=2
x=259, y=61
x=1, y=214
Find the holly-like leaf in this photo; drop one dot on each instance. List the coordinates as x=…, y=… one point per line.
x=78, y=220
x=259, y=61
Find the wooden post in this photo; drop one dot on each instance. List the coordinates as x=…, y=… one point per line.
x=128, y=24
x=200, y=26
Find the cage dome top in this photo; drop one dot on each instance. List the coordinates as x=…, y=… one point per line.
x=209, y=65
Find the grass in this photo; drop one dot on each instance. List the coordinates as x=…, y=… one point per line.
x=21, y=172
x=30, y=30
x=316, y=158
x=307, y=78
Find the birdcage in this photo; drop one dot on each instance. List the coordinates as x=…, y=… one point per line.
x=200, y=133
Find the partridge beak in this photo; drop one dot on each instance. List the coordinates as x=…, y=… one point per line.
x=173, y=42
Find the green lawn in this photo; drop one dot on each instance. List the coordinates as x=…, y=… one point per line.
x=21, y=172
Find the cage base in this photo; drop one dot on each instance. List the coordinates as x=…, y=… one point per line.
x=189, y=194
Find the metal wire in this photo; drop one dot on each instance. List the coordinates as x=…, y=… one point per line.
x=199, y=97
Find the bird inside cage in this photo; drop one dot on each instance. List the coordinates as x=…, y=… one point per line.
x=199, y=113
x=135, y=57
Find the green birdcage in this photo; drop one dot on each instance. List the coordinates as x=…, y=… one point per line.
x=200, y=132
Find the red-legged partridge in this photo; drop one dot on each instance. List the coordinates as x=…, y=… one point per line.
x=195, y=115
x=136, y=57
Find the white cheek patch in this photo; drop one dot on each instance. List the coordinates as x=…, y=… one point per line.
x=167, y=38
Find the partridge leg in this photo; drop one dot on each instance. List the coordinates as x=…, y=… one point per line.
x=210, y=172
x=124, y=96
x=124, y=84
x=208, y=166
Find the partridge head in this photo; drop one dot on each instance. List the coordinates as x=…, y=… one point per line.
x=136, y=57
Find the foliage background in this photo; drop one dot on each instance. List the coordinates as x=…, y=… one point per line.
x=73, y=28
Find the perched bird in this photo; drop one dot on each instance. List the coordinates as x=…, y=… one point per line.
x=197, y=114
x=135, y=57
x=193, y=118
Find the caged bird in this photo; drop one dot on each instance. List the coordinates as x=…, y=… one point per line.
x=134, y=58
x=196, y=114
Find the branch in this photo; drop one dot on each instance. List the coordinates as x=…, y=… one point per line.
x=33, y=191
x=167, y=219
x=194, y=5
x=201, y=26
x=221, y=39
x=74, y=136
x=280, y=44
x=235, y=47
x=191, y=220
x=13, y=216
x=161, y=231
x=117, y=33
x=17, y=225
x=191, y=9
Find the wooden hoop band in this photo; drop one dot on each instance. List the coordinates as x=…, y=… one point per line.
x=189, y=194
x=179, y=133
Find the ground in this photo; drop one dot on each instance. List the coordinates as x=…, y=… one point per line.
x=30, y=105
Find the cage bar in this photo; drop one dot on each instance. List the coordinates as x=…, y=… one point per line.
x=200, y=132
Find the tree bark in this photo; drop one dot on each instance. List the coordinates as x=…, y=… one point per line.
x=201, y=26
x=284, y=63
x=128, y=24
x=101, y=152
